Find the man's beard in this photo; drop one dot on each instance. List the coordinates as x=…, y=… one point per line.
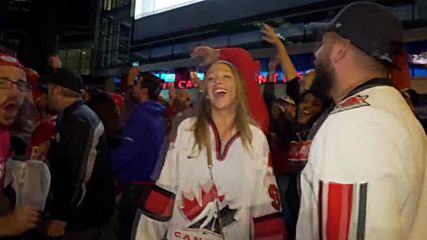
x=324, y=80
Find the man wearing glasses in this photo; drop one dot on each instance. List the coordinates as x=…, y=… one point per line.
x=13, y=87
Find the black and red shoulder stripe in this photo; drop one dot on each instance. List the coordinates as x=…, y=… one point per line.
x=158, y=204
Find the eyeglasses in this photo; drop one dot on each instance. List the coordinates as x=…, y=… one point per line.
x=22, y=85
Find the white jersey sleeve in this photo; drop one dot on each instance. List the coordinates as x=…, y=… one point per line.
x=358, y=179
x=157, y=207
x=265, y=202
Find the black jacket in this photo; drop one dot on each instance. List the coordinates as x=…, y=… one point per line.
x=82, y=192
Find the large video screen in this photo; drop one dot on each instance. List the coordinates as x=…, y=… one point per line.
x=155, y=21
x=144, y=8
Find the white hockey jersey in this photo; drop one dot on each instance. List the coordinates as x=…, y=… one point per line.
x=366, y=174
x=182, y=205
x=31, y=181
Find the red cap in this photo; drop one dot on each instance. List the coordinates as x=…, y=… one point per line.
x=7, y=60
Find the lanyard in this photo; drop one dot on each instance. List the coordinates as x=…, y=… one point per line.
x=210, y=167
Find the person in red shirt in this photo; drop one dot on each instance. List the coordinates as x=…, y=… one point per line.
x=13, y=87
x=44, y=129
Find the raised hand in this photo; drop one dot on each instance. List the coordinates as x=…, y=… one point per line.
x=208, y=54
x=270, y=36
x=197, y=82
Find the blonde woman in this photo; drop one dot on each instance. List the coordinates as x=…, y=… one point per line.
x=216, y=182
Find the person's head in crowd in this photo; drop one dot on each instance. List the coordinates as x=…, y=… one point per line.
x=162, y=101
x=288, y=105
x=65, y=87
x=105, y=107
x=310, y=108
x=54, y=62
x=224, y=95
x=147, y=88
x=13, y=88
x=411, y=97
x=283, y=105
x=353, y=52
x=183, y=100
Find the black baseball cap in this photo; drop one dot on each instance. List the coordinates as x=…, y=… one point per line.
x=370, y=27
x=67, y=78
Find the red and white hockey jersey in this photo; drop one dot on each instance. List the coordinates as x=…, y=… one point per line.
x=182, y=205
x=366, y=174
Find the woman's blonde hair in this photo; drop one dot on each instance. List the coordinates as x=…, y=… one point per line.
x=243, y=118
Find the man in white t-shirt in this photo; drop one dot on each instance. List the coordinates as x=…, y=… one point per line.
x=366, y=174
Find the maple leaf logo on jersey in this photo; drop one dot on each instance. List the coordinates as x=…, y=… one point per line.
x=203, y=213
x=351, y=103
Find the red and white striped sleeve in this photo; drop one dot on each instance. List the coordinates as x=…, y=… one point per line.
x=356, y=184
x=156, y=208
x=266, y=208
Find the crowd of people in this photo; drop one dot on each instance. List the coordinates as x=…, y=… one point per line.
x=341, y=156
